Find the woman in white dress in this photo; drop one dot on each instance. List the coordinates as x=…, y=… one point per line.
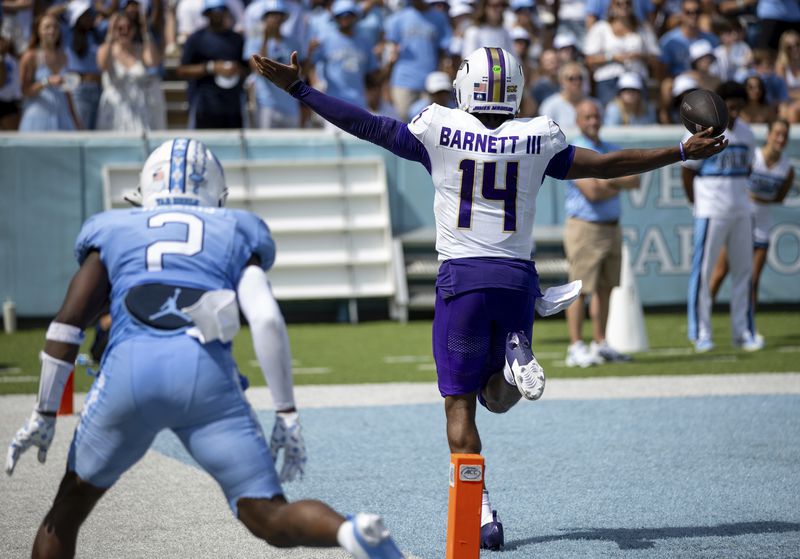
x=771, y=177
x=132, y=99
x=617, y=45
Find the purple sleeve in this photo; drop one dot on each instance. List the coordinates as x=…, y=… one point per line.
x=560, y=163
x=386, y=132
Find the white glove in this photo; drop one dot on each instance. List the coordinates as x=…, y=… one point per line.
x=37, y=431
x=287, y=435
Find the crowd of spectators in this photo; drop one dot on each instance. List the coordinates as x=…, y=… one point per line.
x=99, y=64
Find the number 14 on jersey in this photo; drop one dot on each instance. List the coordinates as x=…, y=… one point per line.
x=504, y=190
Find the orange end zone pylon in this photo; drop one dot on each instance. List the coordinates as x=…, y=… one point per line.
x=464, y=506
x=67, y=397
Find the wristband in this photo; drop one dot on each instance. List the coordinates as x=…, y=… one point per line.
x=55, y=373
x=683, y=153
x=210, y=67
x=65, y=333
x=292, y=85
x=44, y=82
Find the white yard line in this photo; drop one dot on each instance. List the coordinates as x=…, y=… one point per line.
x=402, y=359
x=19, y=379
x=311, y=370
x=670, y=351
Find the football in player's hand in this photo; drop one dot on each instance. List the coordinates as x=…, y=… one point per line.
x=701, y=109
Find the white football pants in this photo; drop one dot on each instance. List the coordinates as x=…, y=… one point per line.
x=710, y=235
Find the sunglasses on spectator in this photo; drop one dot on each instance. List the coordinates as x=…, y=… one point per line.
x=574, y=78
x=691, y=12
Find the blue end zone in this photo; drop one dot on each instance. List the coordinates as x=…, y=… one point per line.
x=660, y=478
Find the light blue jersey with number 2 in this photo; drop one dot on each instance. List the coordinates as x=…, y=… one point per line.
x=153, y=379
x=188, y=246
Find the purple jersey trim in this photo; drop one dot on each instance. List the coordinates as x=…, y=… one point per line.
x=385, y=132
x=560, y=163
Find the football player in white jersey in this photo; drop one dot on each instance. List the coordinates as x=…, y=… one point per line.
x=487, y=167
x=770, y=180
x=717, y=189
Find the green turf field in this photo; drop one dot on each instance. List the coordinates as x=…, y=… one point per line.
x=388, y=351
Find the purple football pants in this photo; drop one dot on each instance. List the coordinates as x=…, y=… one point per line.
x=469, y=335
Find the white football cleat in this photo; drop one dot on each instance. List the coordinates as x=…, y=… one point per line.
x=703, y=345
x=578, y=355
x=372, y=539
x=749, y=342
x=522, y=366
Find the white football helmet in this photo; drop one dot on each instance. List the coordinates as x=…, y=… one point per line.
x=489, y=80
x=182, y=171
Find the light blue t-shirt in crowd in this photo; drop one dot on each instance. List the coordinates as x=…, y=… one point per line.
x=345, y=63
x=420, y=35
x=599, y=8
x=783, y=10
x=675, y=49
x=577, y=205
x=268, y=94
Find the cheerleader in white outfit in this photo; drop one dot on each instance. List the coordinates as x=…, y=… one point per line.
x=770, y=180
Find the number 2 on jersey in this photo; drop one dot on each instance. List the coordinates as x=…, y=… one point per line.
x=508, y=193
x=187, y=247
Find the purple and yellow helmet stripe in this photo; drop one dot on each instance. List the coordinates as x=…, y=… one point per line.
x=497, y=75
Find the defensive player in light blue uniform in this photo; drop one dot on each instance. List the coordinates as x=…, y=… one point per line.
x=177, y=272
x=486, y=167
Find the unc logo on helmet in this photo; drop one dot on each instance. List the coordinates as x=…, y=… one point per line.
x=488, y=81
x=182, y=171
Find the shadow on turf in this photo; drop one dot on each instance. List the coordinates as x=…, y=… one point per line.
x=644, y=538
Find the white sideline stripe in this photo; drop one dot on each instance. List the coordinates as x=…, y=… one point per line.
x=789, y=349
x=601, y=388
x=9, y=370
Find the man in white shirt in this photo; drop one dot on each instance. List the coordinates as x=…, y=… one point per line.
x=717, y=189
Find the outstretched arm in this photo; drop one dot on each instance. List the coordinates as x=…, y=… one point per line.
x=388, y=133
x=271, y=344
x=588, y=163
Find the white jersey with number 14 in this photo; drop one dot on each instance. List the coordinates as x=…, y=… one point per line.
x=486, y=180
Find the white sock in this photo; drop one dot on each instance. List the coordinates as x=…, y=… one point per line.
x=486, y=509
x=347, y=538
